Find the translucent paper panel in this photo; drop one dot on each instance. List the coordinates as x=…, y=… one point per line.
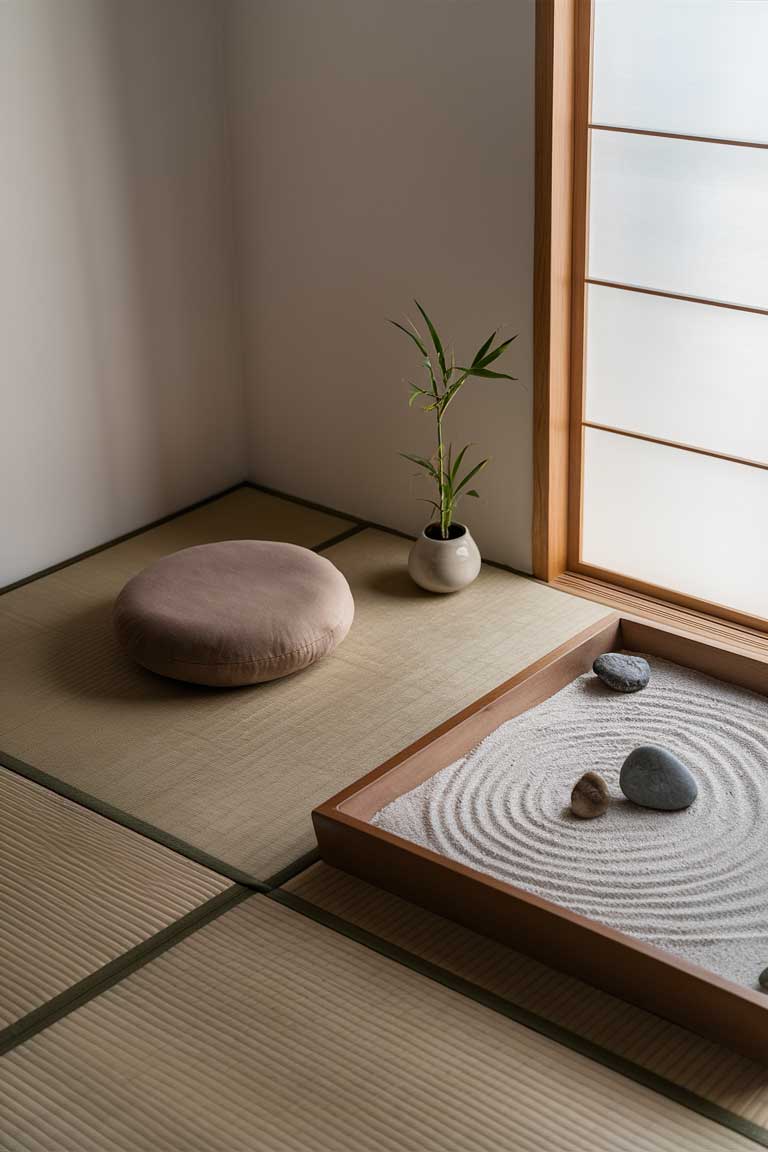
x=678, y=371
x=680, y=215
x=692, y=66
x=677, y=519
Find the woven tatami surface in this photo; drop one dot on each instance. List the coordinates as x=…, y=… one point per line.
x=266, y=1031
x=236, y=773
x=702, y=1067
x=76, y=892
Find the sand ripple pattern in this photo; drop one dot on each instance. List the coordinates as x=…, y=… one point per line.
x=694, y=882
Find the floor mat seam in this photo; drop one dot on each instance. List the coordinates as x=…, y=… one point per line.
x=292, y=870
x=126, y=820
x=340, y=537
x=523, y=1016
x=49, y=571
x=122, y=966
x=374, y=525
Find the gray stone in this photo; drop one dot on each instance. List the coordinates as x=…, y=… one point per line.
x=622, y=673
x=763, y=979
x=655, y=778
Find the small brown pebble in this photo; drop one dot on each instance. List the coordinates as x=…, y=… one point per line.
x=589, y=797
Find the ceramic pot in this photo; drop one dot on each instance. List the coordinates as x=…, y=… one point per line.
x=444, y=565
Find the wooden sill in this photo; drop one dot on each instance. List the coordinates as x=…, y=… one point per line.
x=700, y=625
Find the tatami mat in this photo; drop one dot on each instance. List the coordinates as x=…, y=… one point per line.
x=77, y=891
x=265, y=1030
x=235, y=773
x=63, y=598
x=719, y=1076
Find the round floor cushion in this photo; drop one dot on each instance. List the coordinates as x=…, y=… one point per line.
x=238, y=612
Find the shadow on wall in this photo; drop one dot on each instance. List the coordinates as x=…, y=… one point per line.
x=367, y=175
x=120, y=349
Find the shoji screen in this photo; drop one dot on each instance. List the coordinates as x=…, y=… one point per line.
x=674, y=390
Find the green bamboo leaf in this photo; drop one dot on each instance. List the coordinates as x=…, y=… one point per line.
x=484, y=348
x=459, y=459
x=485, y=372
x=435, y=339
x=416, y=393
x=494, y=355
x=472, y=472
x=451, y=391
x=472, y=492
x=422, y=462
x=412, y=336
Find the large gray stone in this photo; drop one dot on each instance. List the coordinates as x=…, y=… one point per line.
x=655, y=778
x=621, y=672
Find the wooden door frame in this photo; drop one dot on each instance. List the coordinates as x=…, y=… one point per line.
x=553, y=282
x=562, y=91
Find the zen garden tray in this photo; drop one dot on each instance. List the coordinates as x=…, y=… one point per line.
x=508, y=859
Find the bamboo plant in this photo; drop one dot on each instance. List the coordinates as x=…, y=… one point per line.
x=445, y=380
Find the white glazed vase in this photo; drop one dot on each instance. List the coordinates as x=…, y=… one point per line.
x=444, y=565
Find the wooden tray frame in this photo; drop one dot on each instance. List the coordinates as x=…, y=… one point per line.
x=640, y=973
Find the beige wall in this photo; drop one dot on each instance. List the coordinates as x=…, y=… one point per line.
x=384, y=149
x=380, y=150
x=120, y=385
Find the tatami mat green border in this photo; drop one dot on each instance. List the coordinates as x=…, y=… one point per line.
x=122, y=966
x=136, y=824
x=119, y=539
x=244, y=885
x=326, y=544
x=91, y=802
x=522, y=1016
x=357, y=525
x=118, y=816
x=292, y=870
x=278, y=494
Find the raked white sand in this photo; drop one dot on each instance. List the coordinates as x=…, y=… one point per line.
x=693, y=882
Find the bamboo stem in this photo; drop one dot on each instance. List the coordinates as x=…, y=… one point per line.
x=440, y=475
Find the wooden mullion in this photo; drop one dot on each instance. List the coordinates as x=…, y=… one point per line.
x=555, y=31
x=678, y=136
x=676, y=296
x=563, y=123
x=582, y=98
x=676, y=444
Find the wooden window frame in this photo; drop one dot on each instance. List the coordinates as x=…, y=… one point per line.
x=563, y=100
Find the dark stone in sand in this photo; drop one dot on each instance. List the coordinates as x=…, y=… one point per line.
x=655, y=778
x=763, y=979
x=622, y=673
